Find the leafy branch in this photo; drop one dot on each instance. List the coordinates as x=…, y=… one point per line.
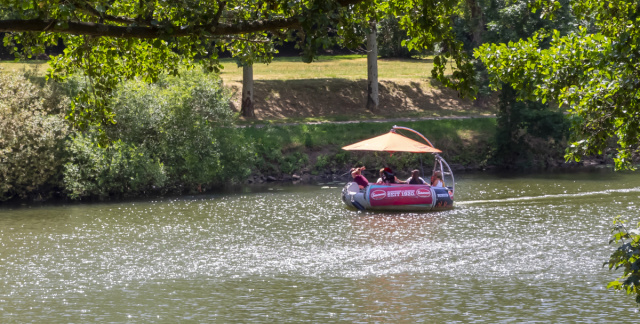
x=627, y=257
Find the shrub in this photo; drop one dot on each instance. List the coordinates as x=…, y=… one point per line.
x=176, y=132
x=32, y=130
x=293, y=162
x=528, y=132
x=117, y=169
x=322, y=162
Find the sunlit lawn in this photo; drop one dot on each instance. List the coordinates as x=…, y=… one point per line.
x=39, y=67
x=351, y=67
x=343, y=67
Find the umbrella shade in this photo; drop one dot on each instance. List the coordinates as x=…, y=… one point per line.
x=391, y=142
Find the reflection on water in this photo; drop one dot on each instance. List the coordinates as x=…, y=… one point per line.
x=516, y=248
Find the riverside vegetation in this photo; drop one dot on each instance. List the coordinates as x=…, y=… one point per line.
x=574, y=53
x=178, y=135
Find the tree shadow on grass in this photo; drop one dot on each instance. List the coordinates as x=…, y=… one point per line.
x=413, y=60
x=304, y=98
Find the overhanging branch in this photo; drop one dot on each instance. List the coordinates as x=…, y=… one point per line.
x=108, y=30
x=233, y=38
x=96, y=29
x=88, y=9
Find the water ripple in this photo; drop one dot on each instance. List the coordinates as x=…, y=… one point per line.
x=297, y=254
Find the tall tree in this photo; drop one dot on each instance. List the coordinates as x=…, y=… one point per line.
x=120, y=39
x=476, y=21
x=372, y=67
x=593, y=72
x=246, y=109
x=518, y=136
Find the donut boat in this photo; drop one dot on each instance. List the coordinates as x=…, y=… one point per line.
x=400, y=197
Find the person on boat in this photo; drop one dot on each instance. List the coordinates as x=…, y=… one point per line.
x=387, y=176
x=381, y=179
x=436, y=179
x=415, y=178
x=358, y=178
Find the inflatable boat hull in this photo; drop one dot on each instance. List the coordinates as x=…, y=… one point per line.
x=397, y=197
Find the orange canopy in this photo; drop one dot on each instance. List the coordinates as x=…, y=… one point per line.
x=391, y=142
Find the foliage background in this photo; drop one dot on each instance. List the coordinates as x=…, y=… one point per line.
x=171, y=135
x=177, y=135
x=32, y=134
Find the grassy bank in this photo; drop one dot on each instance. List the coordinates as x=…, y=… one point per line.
x=316, y=149
x=349, y=67
x=37, y=67
x=333, y=88
x=175, y=136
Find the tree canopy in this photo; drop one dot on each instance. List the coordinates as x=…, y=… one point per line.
x=593, y=72
x=111, y=40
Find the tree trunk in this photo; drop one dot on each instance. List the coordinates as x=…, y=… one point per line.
x=372, y=68
x=477, y=21
x=247, y=92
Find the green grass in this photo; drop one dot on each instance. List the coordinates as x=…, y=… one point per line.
x=343, y=134
x=292, y=68
x=350, y=67
x=302, y=120
x=462, y=141
x=318, y=147
x=360, y=118
x=39, y=68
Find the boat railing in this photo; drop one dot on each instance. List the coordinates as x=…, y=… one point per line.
x=440, y=162
x=450, y=173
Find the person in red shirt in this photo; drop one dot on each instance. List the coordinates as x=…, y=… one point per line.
x=358, y=178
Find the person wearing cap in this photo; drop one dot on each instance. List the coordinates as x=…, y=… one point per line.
x=415, y=178
x=358, y=178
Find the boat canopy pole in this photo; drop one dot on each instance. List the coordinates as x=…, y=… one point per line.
x=414, y=131
x=453, y=180
x=439, y=159
x=439, y=162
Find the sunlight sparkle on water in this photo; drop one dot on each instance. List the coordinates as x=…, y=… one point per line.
x=296, y=254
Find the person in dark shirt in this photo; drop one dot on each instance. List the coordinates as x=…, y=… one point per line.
x=415, y=178
x=358, y=178
x=389, y=177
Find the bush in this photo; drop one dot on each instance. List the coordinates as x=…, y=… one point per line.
x=32, y=131
x=293, y=162
x=528, y=133
x=175, y=133
x=322, y=162
x=117, y=169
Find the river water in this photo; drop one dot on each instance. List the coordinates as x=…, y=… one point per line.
x=516, y=248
